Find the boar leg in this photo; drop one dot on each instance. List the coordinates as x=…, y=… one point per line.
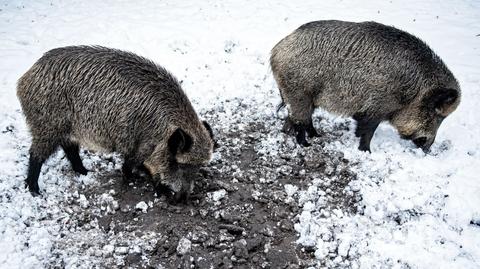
x=365, y=129
x=129, y=164
x=288, y=127
x=142, y=171
x=311, y=130
x=300, y=114
x=127, y=169
x=34, y=168
x=40, y=150
x=72, y=152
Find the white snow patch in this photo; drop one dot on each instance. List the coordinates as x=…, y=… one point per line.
x=142, y=206
x=216, y=196
x=290, y=189
x=184, y=246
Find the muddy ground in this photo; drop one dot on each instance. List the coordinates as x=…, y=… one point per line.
x=240, y=215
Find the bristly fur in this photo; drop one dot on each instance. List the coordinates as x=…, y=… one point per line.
x=280, y=106
x=112, y=100
x=368, y=69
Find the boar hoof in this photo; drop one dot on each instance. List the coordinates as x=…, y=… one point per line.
x=301, y=132
x=288, y=127
x=364, y=147
x=127, y=179
x=311, y=131
x=81, y=170
x=34, y=190
x=301, y=140
x=36, y=193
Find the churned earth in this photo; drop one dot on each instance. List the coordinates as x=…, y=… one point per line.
x=241, y=214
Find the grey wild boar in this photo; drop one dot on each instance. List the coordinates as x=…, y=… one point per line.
x=368, y=71
x=115, y=101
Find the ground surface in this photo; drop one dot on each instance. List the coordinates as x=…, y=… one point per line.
x=263, y=202
x=241, y=214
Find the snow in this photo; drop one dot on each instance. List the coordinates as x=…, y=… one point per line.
x=417, y=207
x=290, y=189
x=216, y=196
x=142, y=206
x=184, y=246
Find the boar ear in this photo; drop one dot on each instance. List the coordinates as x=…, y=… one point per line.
x=441, y=100
x=210, y=132
x=209, y=129
x=179, y=141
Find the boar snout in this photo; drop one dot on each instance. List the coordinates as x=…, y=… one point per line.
x=423, y=142
x=179, y=185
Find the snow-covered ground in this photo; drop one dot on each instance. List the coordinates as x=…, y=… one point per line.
x=418, y=209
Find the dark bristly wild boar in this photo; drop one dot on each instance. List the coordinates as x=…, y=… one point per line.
x=369, y=71
x=116, y=101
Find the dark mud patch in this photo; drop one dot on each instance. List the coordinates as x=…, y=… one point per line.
x=241, y=215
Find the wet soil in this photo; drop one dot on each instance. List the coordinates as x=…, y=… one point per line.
x=239, y=215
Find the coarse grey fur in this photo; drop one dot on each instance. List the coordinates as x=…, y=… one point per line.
x=366, y=70
x=111, y=100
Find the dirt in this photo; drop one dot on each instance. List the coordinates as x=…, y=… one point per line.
x=239, y=215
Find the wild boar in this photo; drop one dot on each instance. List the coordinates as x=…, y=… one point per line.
x=115, y=101
x=368, y=71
